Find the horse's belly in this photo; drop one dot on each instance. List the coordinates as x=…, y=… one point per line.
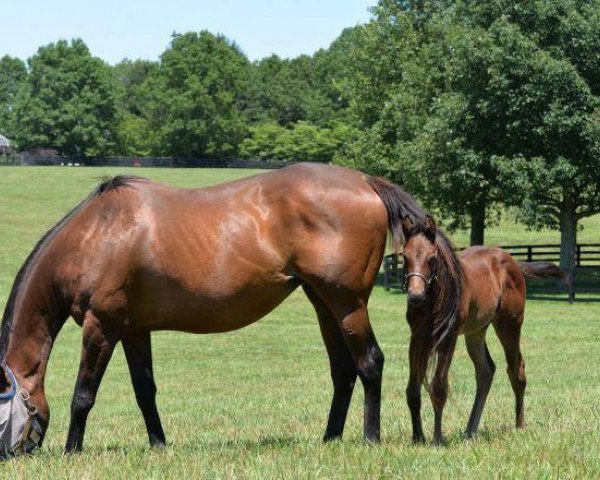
x=208, y=310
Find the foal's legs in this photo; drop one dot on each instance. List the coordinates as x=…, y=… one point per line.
x=95, y=355
x=343, y=369
x=413, y=393
x=509, y=333
x=484, y=373
x=138, y=352
x=438, y=388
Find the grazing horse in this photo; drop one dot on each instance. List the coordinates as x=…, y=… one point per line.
x=137, y=256
x=450, y=295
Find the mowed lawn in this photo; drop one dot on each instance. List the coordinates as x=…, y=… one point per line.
x=254, y=403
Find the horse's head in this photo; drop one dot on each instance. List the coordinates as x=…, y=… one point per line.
x=420, y=257
x=21, y=428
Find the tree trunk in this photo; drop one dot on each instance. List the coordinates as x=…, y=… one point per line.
x=477, y=223
x=568, y=240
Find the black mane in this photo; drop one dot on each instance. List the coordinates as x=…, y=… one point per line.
x=107, y=185
x=437, y=324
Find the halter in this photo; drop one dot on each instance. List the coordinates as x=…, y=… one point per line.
x=30, y=433
x=427, y=281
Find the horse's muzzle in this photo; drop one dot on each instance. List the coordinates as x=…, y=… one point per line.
x=21, y=430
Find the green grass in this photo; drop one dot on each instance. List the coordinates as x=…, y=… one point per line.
x=253, y=403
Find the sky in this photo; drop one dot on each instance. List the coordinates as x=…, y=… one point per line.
x=115, y=29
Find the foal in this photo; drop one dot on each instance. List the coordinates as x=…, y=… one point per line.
x=450, y=295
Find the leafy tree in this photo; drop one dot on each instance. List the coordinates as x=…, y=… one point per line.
x=134, y=132
x=283, y=91
x=479, y=103
x=194, y=97
x=306, y=88
x=300, y=142
x=13, y=73
x=68, y=102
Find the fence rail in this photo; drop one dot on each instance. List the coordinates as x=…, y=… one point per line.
x=28, y=160
x=586, y=277
x=586, y=254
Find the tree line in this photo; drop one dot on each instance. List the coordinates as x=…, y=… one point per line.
x=203, y=98
x=471, y=105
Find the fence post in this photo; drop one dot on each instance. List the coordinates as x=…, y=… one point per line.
x=578, y=259
x=530, y=253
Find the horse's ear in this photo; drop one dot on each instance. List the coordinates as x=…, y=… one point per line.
x=408, y=225
x=430, y=227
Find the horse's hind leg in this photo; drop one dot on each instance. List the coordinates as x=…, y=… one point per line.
x=350, y=311
x=509, y=333
x=138, y=352
x=95, y=355
x=343, y=370
x=484, y=373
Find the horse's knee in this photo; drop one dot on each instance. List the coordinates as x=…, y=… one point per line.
x=82, y=404
x=370, y=368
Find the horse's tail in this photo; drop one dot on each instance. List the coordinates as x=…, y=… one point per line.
x=398, y=204
x=541, y=270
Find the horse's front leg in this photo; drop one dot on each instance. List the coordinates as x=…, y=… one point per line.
x=138, y=352
x=95, y=355
x=438, y=388
x=413, y=392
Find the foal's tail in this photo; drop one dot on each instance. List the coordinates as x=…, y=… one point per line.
x=541, y=270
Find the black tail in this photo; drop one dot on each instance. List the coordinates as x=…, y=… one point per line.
x=436, y=334
x=398, y=204
x=541, y=270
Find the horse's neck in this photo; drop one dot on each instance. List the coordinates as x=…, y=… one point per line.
x=37, y=318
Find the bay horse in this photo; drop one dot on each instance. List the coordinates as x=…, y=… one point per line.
x=136, y=256
x=451, y=295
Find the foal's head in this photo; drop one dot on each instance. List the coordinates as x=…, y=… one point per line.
x=420, y=257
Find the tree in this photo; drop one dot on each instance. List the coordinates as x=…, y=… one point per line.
x=194, y=97
x=306, y=88
x=543, y=90
x=68, y=102
x=13, y=73
x=133, y=131
x=302, y=141
x=485, y=104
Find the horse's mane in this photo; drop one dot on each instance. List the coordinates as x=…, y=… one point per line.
x=107, y=185
x=434, y=334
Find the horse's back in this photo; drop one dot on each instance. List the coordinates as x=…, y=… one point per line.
x=218, y=258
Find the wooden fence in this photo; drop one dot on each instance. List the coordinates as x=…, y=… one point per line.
x=28, y=160
x=586, y=277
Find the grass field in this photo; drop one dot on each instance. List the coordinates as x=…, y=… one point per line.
x=253, y=403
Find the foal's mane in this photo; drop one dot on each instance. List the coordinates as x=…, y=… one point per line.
x=435, y=324
x=107, y=185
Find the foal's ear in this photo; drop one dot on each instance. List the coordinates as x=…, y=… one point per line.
x=430, y=227
x=408, y=225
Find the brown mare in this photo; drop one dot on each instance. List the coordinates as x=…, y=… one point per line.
x=136, y=256
x=450, y=295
